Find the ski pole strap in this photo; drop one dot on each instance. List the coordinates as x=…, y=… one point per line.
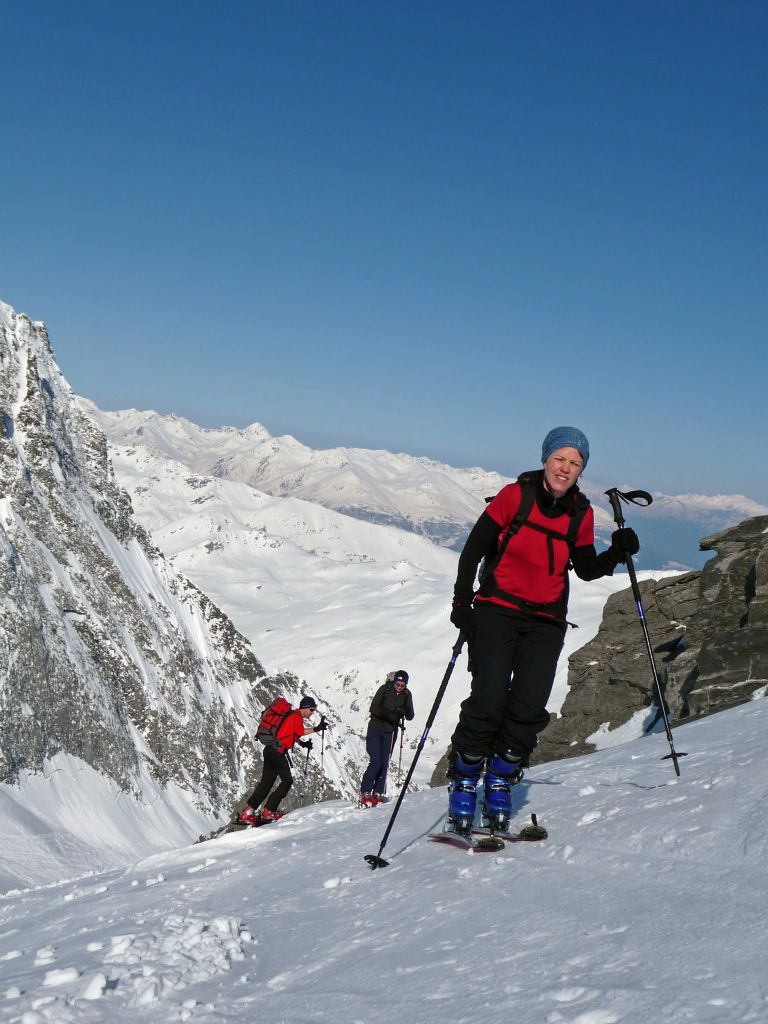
x=615, y=496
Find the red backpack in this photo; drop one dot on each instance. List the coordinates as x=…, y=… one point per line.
x=270, y=722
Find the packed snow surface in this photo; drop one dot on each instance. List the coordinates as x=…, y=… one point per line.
x=646, y=903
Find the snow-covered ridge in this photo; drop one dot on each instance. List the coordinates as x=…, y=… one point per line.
x=701, y=508
x=419, y=494
x=402, y=490
x=176, y=506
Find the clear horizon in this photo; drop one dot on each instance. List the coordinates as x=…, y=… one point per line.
x=436, y=230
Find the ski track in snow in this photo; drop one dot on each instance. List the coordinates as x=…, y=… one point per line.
x=646, y=903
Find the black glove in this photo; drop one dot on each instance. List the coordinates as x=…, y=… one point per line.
x=322, y=726
x=463, y=618
x=624, y=542
x=307, y=744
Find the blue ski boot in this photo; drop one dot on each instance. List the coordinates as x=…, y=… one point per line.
x=464, y=773
x=501, y=775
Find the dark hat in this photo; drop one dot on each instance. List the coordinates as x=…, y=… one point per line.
x=401, y=676
x=308, y=702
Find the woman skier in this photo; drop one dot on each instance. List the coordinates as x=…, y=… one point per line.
x=530, y=535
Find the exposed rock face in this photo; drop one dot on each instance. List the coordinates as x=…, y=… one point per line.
x=106, y=653
x=709, y=632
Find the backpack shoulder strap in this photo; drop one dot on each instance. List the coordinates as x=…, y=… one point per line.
x=527, y=498
x=581, y=504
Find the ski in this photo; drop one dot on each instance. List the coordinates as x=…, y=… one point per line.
x=484, y=840
x=231, y=826
x=480, y=844
x=234, y=826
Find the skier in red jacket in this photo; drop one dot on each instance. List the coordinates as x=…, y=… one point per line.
x=530, y=535
x=291, y=730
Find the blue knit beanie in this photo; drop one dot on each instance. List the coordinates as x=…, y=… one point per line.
x=565, y=437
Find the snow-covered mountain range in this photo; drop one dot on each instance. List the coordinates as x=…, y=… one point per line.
x=438, y=501
x=415, y=494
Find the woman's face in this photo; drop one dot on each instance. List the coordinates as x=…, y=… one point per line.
x=561, y=470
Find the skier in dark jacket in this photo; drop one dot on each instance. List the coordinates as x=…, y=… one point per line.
x=391, y=705
x=515, y=624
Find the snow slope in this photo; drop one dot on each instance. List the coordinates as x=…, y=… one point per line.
x=647, y=903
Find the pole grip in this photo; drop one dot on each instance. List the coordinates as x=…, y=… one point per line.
x=615, y=500
x=615, y=496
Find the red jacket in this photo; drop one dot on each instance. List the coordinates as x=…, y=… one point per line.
x=534, y=564
x=290, y=730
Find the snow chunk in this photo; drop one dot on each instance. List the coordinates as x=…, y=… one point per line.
x=95, y=986
x=61, y=976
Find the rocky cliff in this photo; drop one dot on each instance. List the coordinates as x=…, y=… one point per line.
x=107, y=653
x=709, y=632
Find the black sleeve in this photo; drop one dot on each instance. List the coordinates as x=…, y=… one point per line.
x=377, y=704
x=483, y=538
x=588, y=565
x=408, y=705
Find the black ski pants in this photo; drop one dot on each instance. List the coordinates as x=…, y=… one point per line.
x=379, y=745
x=514, y=659
x=274, y=765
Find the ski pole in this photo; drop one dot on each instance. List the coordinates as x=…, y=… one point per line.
x=392, y=751
x=375, y=859
x=400, y=758
x=615, y=496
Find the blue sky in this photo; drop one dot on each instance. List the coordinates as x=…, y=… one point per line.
x=439, y=228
